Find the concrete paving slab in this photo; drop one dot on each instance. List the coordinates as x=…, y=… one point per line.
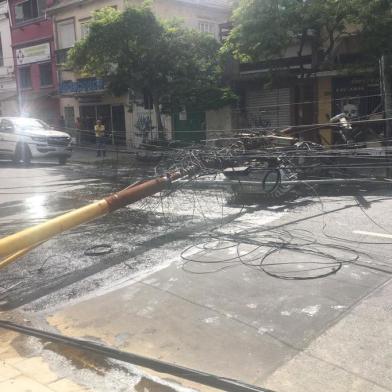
x=24, y=371
x=9, y=355
x=37, y=369
x=7, y=371
x=23, y=384
x=65, y=385
x=353, y=355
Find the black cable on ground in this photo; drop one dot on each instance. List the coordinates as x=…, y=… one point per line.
x=98, y=250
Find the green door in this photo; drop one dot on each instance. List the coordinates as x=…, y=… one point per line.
x=189, y=126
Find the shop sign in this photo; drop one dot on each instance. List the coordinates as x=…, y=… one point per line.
x=33, y=54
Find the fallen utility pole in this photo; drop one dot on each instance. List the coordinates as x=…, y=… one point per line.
x=16, y=245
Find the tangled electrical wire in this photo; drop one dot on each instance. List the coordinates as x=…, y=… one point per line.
x=279, y=253
x=294, y=254
x=286, y=247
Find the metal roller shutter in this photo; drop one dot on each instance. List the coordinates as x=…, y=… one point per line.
x=268, y=108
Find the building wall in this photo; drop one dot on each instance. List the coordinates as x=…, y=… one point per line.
x=191, y=14
x=9, y=107
x=5, y=31
x=219, y=123
x=37, y=101
x=8, y=93
x=82, y=12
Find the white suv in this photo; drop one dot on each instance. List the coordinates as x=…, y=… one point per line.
x=22, y=139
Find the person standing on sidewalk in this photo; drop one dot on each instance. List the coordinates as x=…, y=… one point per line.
x=100, y=138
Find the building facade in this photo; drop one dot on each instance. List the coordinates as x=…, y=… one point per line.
x=8, y=93
x=34, y=58
x=287, y=92
x=130, y=119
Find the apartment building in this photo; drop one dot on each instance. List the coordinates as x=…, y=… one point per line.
x=86, y=99
x=33, y=50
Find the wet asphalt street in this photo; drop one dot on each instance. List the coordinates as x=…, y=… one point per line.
x=139, y=238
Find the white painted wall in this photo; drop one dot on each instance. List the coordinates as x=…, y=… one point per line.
x=191, y=14
x=138, y=113
x=219, y=123
x=9, y=105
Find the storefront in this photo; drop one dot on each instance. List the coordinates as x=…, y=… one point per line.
x=112, y=116
x=268, y=108
x=85, y=101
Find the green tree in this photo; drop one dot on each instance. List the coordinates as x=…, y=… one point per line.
x=374, y=18
x=265, y=29
x=133, y=50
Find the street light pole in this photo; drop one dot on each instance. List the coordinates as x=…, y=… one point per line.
x=386, y=94
x=387, y=101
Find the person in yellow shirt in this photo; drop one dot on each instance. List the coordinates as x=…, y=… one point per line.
x=99, y=129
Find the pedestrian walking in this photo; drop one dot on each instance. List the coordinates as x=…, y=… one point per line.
x=100, y=138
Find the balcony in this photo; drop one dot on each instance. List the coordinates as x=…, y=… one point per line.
x=82, y=86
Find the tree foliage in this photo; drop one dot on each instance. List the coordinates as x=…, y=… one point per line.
x=266, y=29
x=375, y=20
x=133, y=50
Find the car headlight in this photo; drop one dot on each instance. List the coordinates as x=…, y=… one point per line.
x=39, y=139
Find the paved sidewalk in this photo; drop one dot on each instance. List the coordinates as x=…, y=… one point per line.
x=354, y=355
x=27, y=372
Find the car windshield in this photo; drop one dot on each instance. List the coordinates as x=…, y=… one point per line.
x=25, y=124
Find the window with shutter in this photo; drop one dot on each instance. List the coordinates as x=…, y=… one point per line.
x=66, y=34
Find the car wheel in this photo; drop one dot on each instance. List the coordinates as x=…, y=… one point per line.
x=62, y=160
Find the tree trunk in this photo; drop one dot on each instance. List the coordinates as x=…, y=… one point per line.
x=300, y=51
x=161, y=134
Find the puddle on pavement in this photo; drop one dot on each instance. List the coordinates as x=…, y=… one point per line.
x=102, y=367
x=26, y=346
x=80, y=359
x=146, y=385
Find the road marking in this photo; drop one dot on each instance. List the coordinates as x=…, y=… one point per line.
x=372, y=234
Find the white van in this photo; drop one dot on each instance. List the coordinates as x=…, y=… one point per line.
x=23, y=139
